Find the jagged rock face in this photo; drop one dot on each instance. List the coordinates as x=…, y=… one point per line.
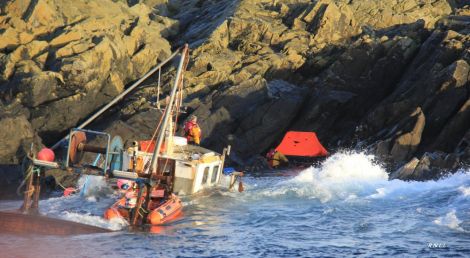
x=64, y=59
x=390, y=76
x=383, y=14
x=343, y=57
x=249, y=116
x=431, y=166
x=16, y=136
x=438, y=83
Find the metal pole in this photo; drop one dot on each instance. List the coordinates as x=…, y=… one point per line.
x=158, y=88
x=167, y=116
x=120, y=96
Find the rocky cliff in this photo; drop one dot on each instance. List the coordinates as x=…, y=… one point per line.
x=61, y=60
x=391, y=77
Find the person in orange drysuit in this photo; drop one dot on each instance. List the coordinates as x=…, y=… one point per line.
x=192, y=131
x=276, y=158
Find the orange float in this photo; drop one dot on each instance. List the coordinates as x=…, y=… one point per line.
x=46, y=154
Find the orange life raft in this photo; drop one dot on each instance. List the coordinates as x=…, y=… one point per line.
x=301, y=144
x=160, y=213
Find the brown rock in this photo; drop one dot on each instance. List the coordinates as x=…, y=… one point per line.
x=358, y=62
x=434, y=165
x=37, y=86
x=382, y=14
x=406, y=171
x=17, y=135
x=73, y=48
x=454, y=131
x=406, y=144
x=330, y=23
x=66, y=38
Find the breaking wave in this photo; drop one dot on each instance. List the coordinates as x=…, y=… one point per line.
x=93, y=186
x=349, y=175
x=346, y=206
x=87, y=206
x=341, y=176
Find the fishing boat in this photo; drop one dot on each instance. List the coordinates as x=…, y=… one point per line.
x=160, y=169
x=163, y=166
x=195, y=168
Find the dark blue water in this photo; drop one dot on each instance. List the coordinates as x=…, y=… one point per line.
x=347, y=207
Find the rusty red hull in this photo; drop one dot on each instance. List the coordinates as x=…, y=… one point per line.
x=12, y=222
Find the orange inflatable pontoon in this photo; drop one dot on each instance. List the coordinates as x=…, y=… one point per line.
x=166, y=212
x=160, y=213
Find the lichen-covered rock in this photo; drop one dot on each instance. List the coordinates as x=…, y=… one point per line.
x=432, y=166
x=65, y=59
x=352, y=56
x=16, y=135
x=383, y=14
x=406, y=144
x=406, y=171
x=390, y=76
x=437, y=81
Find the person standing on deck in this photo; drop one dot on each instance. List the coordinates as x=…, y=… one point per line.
x=192, y=131
x=276, y=158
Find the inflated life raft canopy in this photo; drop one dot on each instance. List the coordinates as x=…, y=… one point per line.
x=305, y=144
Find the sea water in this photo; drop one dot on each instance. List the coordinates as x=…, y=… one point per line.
x=345, y=207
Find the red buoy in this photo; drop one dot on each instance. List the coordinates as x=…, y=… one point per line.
x=69, y=190
x=46, y=154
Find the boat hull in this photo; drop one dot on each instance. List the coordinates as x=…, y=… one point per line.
x=12, y=222
x=197, y=176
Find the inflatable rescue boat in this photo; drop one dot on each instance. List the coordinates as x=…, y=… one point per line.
x=158, y=210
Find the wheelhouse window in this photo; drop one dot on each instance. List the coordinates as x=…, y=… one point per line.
x=205, y=176
x=215, y=173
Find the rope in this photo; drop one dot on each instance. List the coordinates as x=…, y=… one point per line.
x=156, y=130
x=179, y=102
x=146, y=166
x=28, y=173
x=177, y=106
x=63, y=187
x=30, y=191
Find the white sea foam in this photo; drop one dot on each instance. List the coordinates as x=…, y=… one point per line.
x=114, y=224
x=346, y=176
x=450, y=220
x=354, y=176
x=96, y=186
x=343, y=175
x=95, y=196
x=465, y=191
x=381, y=192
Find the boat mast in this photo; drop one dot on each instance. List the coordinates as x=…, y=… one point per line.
x=167, y=114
